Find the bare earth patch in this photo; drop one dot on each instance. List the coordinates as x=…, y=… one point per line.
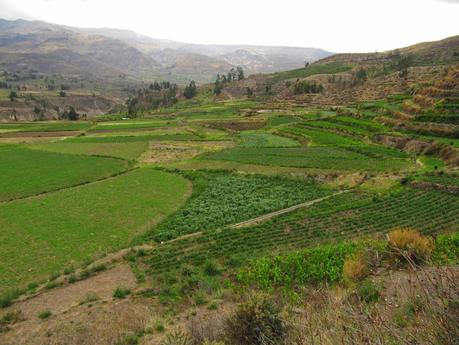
x=174, y=151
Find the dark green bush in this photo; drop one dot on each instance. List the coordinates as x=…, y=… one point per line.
x=257, y=322
x=121, y=292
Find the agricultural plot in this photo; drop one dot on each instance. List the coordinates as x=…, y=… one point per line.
x=43, y=235
x=283, y=120
x=255, y=139
x=60, y=126
x=339, y=127
x=320, y=157
x=131, y=125
x=124, y=150
x=320, y=137
x=443, y=179
x=222, y=199
x=133, y=138
x=167, y=152
x=346, y=216
x=27, y=172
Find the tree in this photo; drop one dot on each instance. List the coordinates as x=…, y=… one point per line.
x=131, y=104
x=190, y=90
x=240, y=73
x=13, y=95
x=72, y=114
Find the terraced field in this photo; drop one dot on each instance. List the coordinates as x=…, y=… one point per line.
x=241, y=162
x=128, y=150
x=346, y=216
x=222, y=199
x=320, y=157
x=46, y=234
x=27, y=172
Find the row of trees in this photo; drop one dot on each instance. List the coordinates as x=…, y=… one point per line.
x=222, y=80
x=304, y=86
x=156, y=95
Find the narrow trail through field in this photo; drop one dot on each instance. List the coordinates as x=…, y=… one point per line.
x=268, y=216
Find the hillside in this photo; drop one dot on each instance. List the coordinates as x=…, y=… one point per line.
x=317, y=205
x=109, y=53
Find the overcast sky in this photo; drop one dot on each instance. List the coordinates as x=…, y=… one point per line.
x=334, y=25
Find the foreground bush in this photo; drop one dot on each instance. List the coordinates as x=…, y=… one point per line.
x=409, y=244
x=257, y=322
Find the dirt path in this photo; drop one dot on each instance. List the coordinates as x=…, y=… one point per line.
x=267, y=216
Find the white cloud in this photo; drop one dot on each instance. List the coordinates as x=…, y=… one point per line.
x=336, y=25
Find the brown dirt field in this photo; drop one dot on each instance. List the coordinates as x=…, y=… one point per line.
x=71, y=323
x=98, y=324
x=175, y=151
x=238, y=126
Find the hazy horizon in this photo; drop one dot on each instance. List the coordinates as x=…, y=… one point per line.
x=353, y=26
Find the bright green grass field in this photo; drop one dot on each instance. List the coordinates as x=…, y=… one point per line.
x=320, y=157
x=125, y=150
x=43, y=235
x=26, y=172
x=254, y=139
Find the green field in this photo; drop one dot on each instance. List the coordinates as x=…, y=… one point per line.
x=254, y=139
x=242, y=160
x=320, y=157
x=56, y=126
x=28, y=172
x=222, y=199
x=124, y=150
x=347, y=216
x=48, y=233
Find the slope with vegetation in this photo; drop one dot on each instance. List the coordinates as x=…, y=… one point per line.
x=312, y=206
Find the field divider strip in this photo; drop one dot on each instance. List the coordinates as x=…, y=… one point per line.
x=267, y=216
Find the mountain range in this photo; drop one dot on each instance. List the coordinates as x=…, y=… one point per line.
x=113, y=54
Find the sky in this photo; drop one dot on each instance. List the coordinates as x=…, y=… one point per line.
x=334, y=25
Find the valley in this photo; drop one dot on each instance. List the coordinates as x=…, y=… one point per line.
x=294, y=199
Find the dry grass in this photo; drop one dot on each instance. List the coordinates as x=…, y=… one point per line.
x=409, y=243
x=356, y=268
x=422, y=309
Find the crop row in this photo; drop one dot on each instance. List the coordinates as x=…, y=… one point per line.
x=228, y=199
x=320, y=157
x=343, y=217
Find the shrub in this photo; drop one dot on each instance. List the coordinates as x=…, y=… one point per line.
x=8, y=319
x=255, y=323
x=121, y=292
x=211, y=268
x=8, y=297
x=177, y=338
x=90, y=297
x=368, y=291
x=159, y=327
x=356, y=267
x=446, y=249
x=72, y=279
x=409, y=244
x=44, y=314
